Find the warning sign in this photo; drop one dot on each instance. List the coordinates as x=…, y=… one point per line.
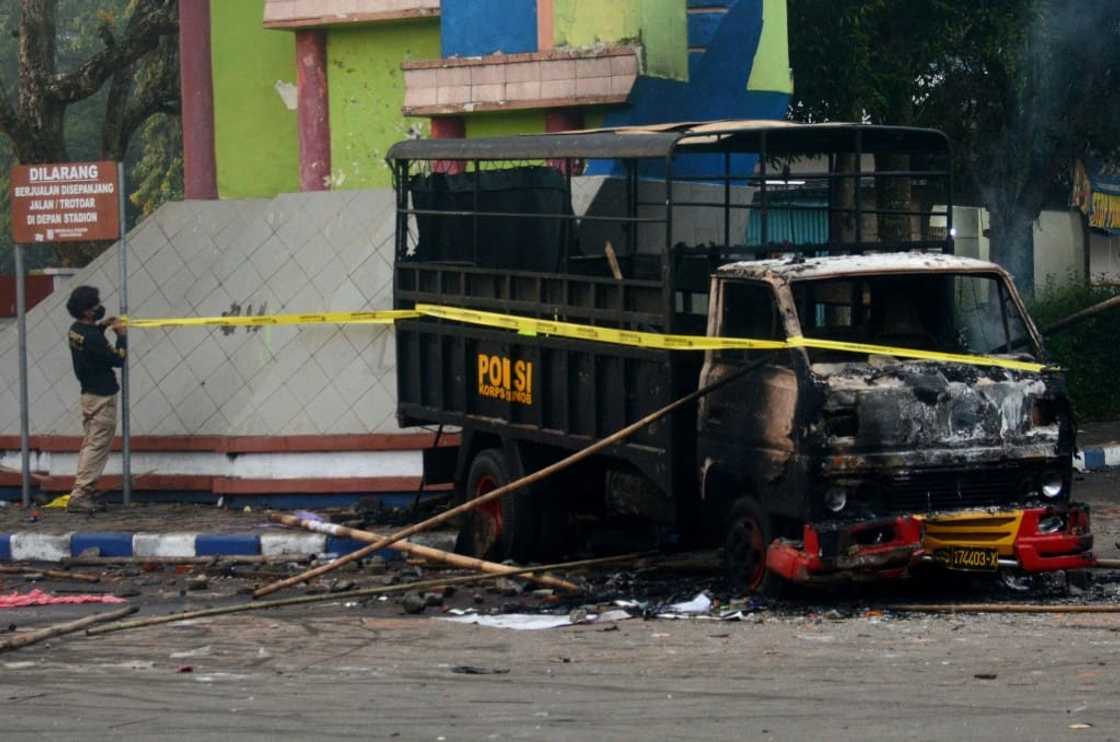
x=65, y=202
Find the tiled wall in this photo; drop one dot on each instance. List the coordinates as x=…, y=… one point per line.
x=543, y=79
x=296, y=253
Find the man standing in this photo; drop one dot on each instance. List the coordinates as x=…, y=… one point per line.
x=94, y=361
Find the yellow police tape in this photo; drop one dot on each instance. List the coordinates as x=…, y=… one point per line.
x=386, y=317
x=530, y=326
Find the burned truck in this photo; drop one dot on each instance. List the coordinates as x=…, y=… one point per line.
x=886, y=402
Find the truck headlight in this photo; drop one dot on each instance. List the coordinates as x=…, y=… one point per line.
x=1052, y=484
x=835, y=498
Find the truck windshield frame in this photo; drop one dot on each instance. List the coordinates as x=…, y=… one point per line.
x=961, y=312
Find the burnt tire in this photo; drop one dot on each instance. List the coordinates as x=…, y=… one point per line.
x=749, y=534
x=503, y=529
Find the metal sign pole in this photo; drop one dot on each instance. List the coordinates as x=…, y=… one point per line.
x=24, y=407
x=126, y=441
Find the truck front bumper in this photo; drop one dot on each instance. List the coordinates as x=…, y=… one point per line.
x=1042, y=539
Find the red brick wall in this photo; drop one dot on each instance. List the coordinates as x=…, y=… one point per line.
x=38, y=288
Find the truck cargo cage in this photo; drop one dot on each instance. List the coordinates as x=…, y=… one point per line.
x=522, y=224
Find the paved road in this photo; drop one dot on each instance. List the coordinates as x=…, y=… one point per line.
x=367, y=673
x=335, y=673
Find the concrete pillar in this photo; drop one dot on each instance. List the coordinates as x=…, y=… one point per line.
x=449, y=127
x=564, y=119
x=314, y=110
x=545, y=25
x=196, y=80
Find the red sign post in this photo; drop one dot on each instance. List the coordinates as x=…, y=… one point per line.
x=67, y=202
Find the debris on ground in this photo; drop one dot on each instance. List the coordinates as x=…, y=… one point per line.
x=38, y=597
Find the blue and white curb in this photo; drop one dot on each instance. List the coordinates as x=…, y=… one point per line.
x=1096, y=458
x=46, y=547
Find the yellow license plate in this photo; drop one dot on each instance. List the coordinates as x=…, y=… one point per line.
x=986, y=560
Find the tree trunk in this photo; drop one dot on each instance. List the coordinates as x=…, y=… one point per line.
x=893, y=194
x=842, y=221
x=1012, y=244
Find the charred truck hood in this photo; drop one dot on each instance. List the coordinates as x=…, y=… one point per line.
x=940, y=413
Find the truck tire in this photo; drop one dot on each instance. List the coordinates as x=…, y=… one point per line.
x=499, y=530
x=749, y=534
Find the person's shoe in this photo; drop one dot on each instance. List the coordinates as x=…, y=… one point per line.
x=83, y=505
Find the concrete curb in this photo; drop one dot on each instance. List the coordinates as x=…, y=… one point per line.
x=1096, y=458
x=47, y=547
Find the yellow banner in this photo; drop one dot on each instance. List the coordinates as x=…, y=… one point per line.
x=531, y=327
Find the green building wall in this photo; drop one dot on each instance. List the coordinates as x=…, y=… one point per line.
x=366, y=89
x=660, y=26
x=256, y=138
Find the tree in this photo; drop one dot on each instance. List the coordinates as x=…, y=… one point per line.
x=1021, y=86
x=116, y=61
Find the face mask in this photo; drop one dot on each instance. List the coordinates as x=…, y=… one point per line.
x=98, y=313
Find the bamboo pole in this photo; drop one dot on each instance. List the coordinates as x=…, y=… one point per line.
x=1083, y=314
x=525, y=481
x=457, y=560
x=335, y=597
x=33, y=637
x=56, y=574
x=1106, y=564
x=1003, y=608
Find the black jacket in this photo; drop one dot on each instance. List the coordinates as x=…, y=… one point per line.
x=94, y=360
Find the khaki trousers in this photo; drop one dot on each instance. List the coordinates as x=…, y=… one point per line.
x=99, y=420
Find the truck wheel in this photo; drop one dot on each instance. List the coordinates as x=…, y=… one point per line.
x=749, y=534
x=502, y=529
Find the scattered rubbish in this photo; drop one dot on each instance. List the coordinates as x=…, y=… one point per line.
x=200, y=652
x=38, y=597
x=414, y=603
x=1081, y=725
x=985, y=676
x=518, y=621
x=433, y=600
x=185, y=668
x=247, y=509
x=701, y=605
x=341, y=586
x=198, y=582
x=475, y=670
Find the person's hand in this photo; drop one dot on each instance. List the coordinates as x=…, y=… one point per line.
x=118, y=326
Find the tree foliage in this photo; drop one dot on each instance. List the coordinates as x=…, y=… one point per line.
x=79, y=79
x=1023, y=88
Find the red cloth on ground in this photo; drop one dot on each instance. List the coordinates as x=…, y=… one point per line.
x=38, y=597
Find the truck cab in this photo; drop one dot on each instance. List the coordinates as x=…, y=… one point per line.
x=863, y=463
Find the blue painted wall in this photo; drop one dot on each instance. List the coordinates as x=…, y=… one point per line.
x=717, y=90
x=471, y=28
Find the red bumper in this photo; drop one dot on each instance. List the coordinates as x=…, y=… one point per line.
x=1069, y=548
x=885, y=549
x=881, y=549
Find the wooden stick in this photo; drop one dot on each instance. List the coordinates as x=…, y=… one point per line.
x=32, y=637
x=612, y=261
x=56, y=574
x=1107, y=564
x=335, y=597
x=525, y=481
x=1003, y=608
x=427, y=552
x=1083, y=314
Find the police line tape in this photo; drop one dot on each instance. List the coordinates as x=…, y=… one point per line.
x=531, y=327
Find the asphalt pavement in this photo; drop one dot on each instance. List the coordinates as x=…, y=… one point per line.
x=839, y=667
